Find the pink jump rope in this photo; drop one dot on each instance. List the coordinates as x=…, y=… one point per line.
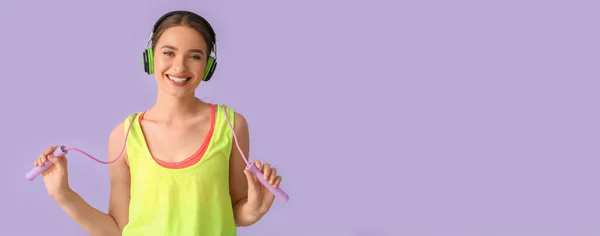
x=62, y=150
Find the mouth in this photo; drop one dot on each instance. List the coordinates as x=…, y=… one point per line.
x=179, y=80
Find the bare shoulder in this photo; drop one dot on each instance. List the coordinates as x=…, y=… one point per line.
x=240, y=123
x=116, y=141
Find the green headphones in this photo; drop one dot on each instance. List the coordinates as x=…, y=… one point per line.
x=211, y=62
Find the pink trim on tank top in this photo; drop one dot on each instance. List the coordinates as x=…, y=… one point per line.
x=196, y=157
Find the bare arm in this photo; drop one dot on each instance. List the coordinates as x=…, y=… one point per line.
x=93, y=221
x=244, y=214
x=120, y=179
x=238, y=184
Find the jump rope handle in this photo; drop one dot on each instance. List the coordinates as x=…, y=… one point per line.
x=38, y=170
x=279, y=194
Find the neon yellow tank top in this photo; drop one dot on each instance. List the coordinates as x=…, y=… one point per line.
x=188, y=201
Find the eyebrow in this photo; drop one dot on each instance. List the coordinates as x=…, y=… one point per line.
x=191, y=50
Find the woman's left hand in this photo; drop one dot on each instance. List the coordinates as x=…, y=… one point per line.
x=260, y=198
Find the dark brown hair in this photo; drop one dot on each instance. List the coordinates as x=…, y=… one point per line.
x=188, y=19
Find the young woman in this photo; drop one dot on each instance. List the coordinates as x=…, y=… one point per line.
x=181, y=173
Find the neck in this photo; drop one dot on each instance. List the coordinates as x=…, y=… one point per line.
x=171, y=108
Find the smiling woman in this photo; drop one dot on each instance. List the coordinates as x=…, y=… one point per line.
x=180, y=173
x=190, y=36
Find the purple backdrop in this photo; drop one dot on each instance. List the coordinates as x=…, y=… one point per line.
x=384, y=118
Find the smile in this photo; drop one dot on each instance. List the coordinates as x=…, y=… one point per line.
x=178, y=79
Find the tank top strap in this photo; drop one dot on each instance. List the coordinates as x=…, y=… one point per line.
x=134, y=144
x=225, y=118
x=225, y=113
x=129, y=121
x=222, y=139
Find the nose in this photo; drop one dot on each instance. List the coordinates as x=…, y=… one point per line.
x=179, y=64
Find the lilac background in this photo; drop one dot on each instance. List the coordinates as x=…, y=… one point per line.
x=384, y=118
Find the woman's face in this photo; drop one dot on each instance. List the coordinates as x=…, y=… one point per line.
x=180, y=60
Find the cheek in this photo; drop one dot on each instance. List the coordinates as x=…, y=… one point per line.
x=160, y=64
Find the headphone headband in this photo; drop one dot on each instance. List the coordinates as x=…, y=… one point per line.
x=211, y=31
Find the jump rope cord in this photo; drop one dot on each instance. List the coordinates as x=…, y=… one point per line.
x=235, y=137
x=127, y=136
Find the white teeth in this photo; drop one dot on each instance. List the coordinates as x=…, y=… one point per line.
x=178, y=80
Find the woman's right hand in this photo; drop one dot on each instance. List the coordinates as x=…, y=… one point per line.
x=55, y=177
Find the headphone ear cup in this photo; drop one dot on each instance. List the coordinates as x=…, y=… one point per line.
x=211, y=65
x=148, y=61
x=150, y=53
x=145, y=61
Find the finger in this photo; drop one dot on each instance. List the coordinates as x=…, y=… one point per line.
x=277, y=182
x=36, y=162
x=50, y=150
x=251, y=179
x=266, y=171
x=60, y=161
x=257, y=164
x=273, y=176
x=53, y=159
x=42, y=160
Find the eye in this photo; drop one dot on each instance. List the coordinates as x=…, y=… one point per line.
x=196, y=57
x=167, y=53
